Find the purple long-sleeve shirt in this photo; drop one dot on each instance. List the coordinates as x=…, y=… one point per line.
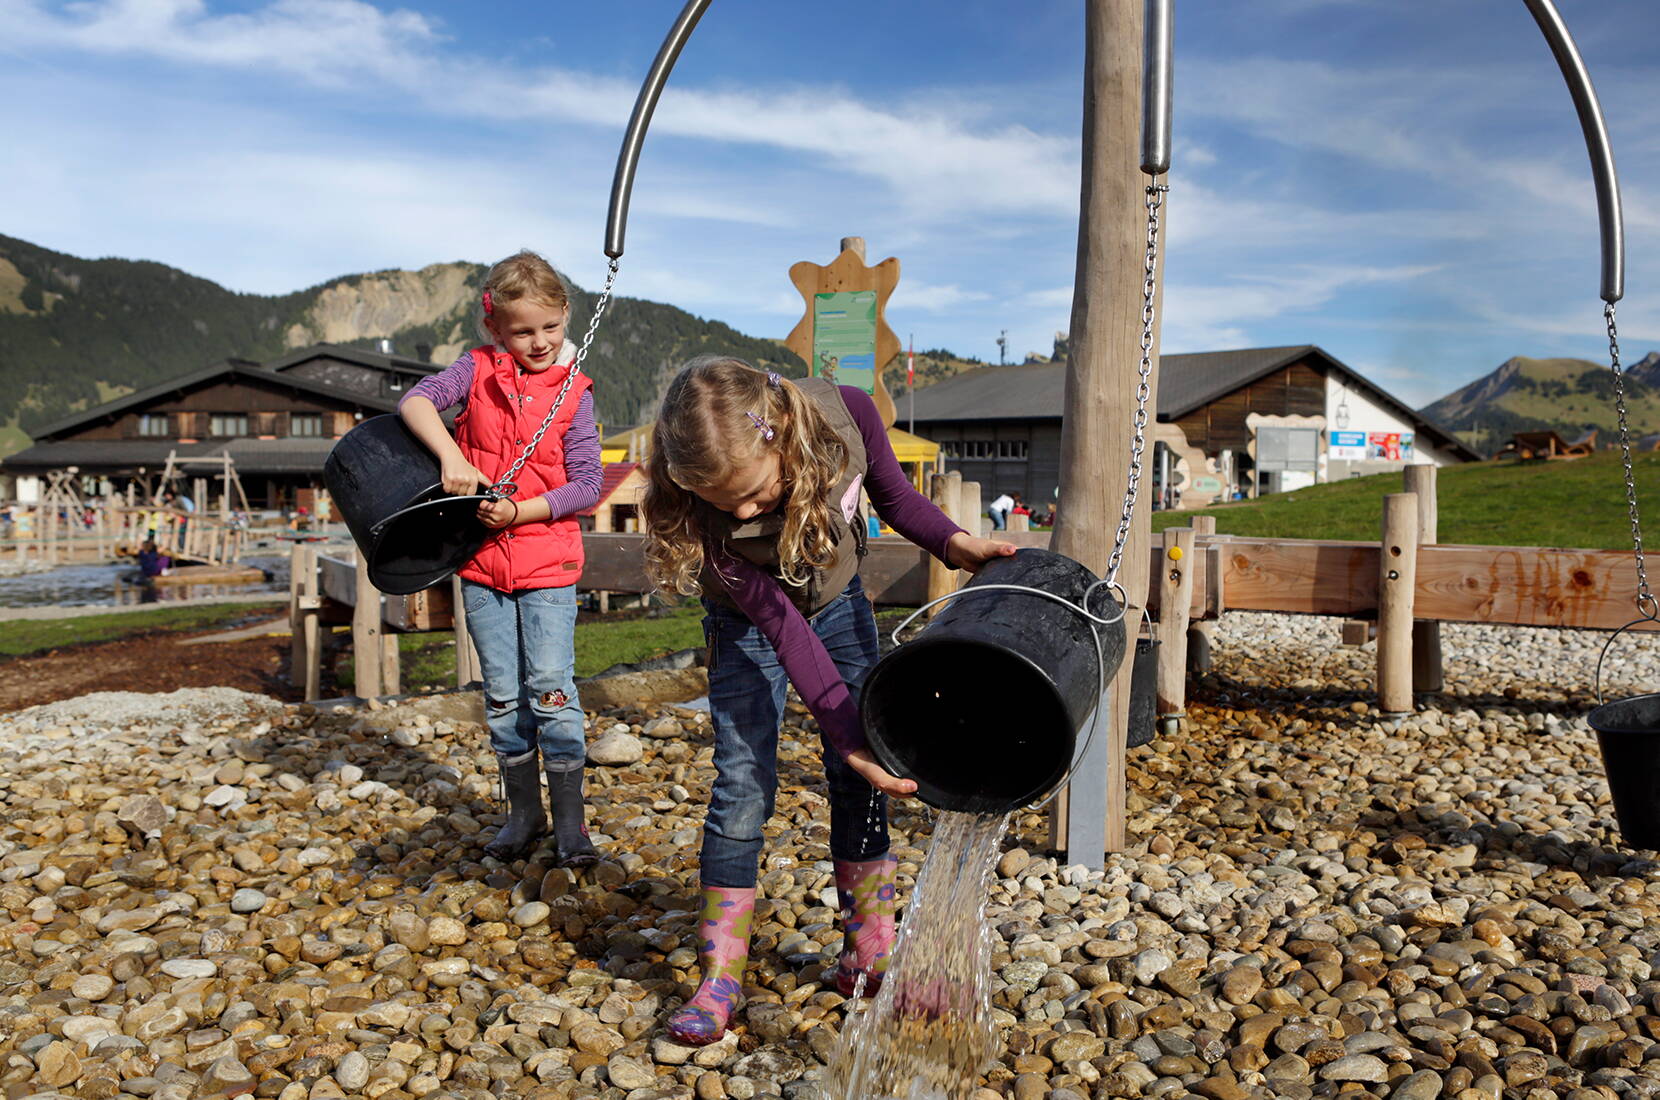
x=763, y=600
x=584, y=475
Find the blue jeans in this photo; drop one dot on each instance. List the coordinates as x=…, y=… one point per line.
x=747, y=686
x=526, y=651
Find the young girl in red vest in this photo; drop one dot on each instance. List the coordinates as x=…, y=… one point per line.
x=753, y=501
x=519, y=590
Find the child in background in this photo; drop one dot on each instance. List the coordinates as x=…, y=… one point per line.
x=519, y=590
x=152, y=563
x=753, y=501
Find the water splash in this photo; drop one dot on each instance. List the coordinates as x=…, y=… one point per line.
x=928, y=1033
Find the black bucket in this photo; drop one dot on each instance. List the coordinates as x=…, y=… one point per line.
x=388, y=488
x=1628, y=730
x=983, y=708
x=1144, y=693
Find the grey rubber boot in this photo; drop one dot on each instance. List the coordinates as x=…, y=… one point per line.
x=525, y=824
x=570, y=831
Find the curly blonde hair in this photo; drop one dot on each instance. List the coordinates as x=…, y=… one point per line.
x=525, y=274
x=704, y=435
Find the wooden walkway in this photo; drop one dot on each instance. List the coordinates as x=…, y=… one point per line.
x=52, y=535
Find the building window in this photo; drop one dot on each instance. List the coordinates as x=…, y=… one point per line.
x=1013, y=449
x=1008, y=450
x=153, y=424
x=305, y=424
x=221, y=425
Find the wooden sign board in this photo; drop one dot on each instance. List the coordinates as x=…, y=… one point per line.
x=846, y=305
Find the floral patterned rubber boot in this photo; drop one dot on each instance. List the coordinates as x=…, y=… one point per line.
x=723, y=936
x=866, y=892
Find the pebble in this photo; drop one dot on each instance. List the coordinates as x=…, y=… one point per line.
x=1314, y=899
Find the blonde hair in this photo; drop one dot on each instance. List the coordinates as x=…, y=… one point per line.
x=525, y=274
x=704, y=434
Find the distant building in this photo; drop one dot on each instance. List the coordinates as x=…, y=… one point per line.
x=277, y=423
x=1258, y=420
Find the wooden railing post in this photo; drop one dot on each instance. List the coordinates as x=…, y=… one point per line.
x=1397, y=574
x=368, y=656
x=973, y=518
x=1175, y=581
x=1199, y=633
x=942, y=579
x=1427, y=672
x=305, y=655
x=466, y=656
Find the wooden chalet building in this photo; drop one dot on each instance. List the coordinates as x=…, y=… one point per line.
x=1246, y=422
x=277, y=423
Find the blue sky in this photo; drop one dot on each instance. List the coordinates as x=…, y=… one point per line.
x=1401, y=183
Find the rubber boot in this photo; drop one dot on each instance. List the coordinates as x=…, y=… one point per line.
x=525, y=824
x=866, y=892
x=723, y=945
x=570, y=830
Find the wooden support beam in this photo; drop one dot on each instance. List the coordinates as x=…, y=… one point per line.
x=972, y=519
x=1356, y=632
x=1175, y=582
x=1209, y=589
x=1101, y=370
x=942, y=579
x=1427, y=673
x=466, y=656
x=1397, y=577
x=368, y=656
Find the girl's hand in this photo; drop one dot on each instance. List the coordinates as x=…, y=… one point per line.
x=460, y=477
x=970, y=553
x=496, y=514
x=879, y=777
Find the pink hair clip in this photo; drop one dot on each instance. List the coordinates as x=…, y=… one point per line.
x=489, y=306
x=762, y=426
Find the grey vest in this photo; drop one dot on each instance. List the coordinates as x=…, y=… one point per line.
x=756, y=540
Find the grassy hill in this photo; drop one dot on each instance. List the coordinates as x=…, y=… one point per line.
x=74, y=332
x=1579, y=503
x=1568, y=395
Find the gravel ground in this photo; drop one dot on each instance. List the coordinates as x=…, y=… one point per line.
x=211, y=893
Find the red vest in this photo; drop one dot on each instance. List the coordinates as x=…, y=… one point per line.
x=504, y=408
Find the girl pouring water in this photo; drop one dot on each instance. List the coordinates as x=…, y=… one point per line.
x=519, y=590
x=753, y=502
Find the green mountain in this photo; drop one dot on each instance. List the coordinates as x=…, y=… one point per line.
x=75, y=332
x=1569, y=396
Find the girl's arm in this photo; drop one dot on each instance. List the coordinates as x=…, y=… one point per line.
x=907, y=511
x=419, y=409
x=807, y=664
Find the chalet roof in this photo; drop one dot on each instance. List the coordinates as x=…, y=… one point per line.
x=615, y=474
x=231, y=367
x=361, y=356
x=251, y=456
x=1186, y=382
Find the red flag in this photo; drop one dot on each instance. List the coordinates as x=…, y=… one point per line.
x=910, y=365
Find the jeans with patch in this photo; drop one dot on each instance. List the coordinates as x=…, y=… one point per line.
x=526, y=650
x=747, y=687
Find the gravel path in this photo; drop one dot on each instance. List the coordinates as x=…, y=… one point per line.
x=210, y=893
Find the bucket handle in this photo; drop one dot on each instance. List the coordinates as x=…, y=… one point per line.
x=401, y=512
x=1652, y=615
x=1100, y=658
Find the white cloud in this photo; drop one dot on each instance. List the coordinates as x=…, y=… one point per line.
x=933, y=299
x=1206, y=316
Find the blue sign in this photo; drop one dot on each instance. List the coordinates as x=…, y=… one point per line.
x=1348, y=439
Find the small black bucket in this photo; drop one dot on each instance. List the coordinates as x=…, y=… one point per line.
x=1144, y=693
x=983, y=708
x=1628, y=731
x=388, y=488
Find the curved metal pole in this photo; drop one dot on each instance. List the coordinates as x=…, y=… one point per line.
x=616, y=222
x=1155, y=87
x=1596, y=144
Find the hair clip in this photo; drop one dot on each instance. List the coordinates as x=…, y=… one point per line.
x=762, y=426
x=773, y=378
x=489, y=306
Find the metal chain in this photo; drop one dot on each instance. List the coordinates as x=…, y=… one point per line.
x=505, y=486
x=1138, y=443
x=1646, y=604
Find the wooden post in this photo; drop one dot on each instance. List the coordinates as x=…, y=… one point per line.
x=466, y=657
x=1175, y=583
x=1019, y=523
x=391, y=674
x=942, y=579
x=1397, y=573
x=305, y=651
x=368, y=657
x=1101, y=382
x=973, y=518
x=1426, y=635
x=1199, y=633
